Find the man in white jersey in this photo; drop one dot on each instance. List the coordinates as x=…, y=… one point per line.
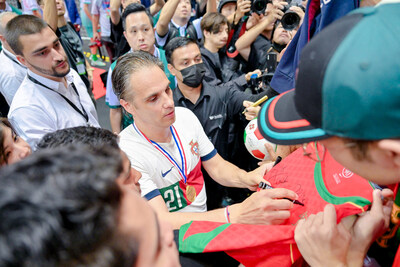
x=169, y=146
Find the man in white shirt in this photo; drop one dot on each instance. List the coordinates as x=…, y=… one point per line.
x=169, y=146
x=12, y=72
x=52, y=96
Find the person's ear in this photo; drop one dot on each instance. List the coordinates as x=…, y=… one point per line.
x=391, y=148
x=22, y=60
x=206, y=34
x=128, y=107
x=171, y=69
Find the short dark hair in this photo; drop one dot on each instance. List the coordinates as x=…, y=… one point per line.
x=212, y=22
x=174, y=44
x=126, y=66
x=22, y=25
x=3, y=124
x=134, y=8
x=85, y=135
x=60, y=207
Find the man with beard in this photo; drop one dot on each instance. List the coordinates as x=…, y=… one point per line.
x=52, y=96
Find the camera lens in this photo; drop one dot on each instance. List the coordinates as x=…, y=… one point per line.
x=290, y=20
x=259, y=6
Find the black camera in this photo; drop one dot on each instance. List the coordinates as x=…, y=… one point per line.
x=260, y=83
x=259, y=6
x=290, y=20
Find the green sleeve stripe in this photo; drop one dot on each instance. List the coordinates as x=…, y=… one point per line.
x=198, y=242
x=328, y=197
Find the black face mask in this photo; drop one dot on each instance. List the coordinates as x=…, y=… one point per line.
x=193, y=75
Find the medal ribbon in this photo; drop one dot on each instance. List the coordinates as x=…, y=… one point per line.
x=183, y=169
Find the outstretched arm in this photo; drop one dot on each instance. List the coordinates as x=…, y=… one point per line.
x=154, y=8
x=114, y=11
x=264, y=207
x=211, y=6
x=165, y=17
x=50, y=14
x=227, y=174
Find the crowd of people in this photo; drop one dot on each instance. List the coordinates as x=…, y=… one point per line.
x=183, y=79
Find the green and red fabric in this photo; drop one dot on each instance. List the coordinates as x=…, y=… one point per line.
x=317, y=184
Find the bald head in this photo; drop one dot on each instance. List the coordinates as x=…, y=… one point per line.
x=5, y=17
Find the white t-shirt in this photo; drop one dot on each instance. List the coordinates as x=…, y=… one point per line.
x=36, y=111
x=29, y=5
x=102, y=8
x=159, y=175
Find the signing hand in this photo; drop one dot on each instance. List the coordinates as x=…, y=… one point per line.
x=264, y=207
x=256, y=176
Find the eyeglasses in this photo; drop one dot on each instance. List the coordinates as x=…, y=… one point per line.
x=314, y=151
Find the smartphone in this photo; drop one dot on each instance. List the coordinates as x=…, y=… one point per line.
x=271, y=62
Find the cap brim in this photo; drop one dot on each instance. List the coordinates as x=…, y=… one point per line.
x=280, y=123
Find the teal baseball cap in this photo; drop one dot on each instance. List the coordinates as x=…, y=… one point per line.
x=348, y=83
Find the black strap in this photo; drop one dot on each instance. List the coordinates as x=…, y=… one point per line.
x=15, y=61
x=83, y=112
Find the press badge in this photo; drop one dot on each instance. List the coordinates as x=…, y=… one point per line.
x=80, y=67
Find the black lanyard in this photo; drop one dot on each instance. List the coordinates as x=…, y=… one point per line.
x=15, y=61
x=84, y=114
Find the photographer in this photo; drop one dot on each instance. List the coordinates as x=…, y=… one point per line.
x=257, y=39
x=280, y=39
x=254, y=44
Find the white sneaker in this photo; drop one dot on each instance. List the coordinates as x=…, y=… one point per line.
x=97, y=63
